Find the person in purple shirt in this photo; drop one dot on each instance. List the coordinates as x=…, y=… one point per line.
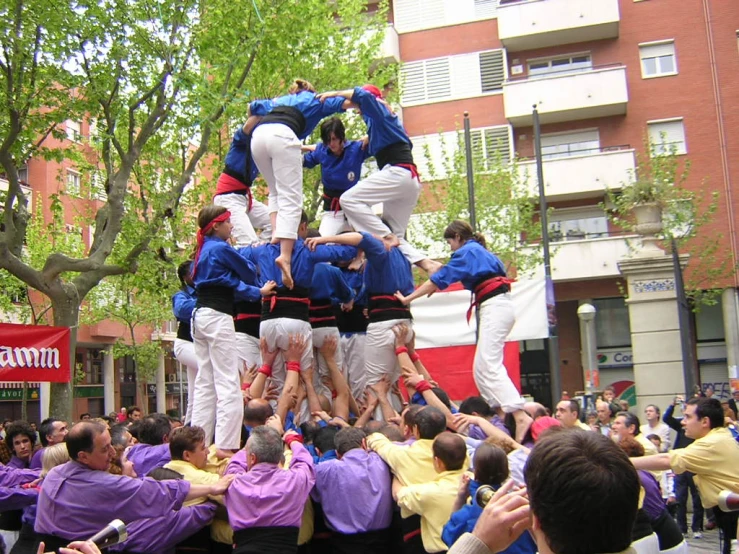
x=477, y=406
x=20, y=440
x=16, y=498
x=152, y=450
x=360, y=523
x=12, y=476
x=265, y=502
x=80, y=497
x=51, y=431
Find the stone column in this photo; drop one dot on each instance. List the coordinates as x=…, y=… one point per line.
x=730, y=310
x=655, y=330
x=108, y=382
x=161, y=386
x=44, y=399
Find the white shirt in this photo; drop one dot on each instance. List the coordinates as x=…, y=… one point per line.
x=662, y=430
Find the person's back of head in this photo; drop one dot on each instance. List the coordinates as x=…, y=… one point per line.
x=309, y=429
x=373, y=426
x=264, y=445
x=392, y=432
x=45, y=429
x=155, y=429
x=257, y=411
x=430, y=422
x=324, y=439
x=476, y=405
x=491, y=465
x=409, y=419
x=54, y=455
x=451, y=450
x=348, y=438
x=632, y=447
x=583, y=492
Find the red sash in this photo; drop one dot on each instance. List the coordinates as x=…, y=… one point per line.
x=485, y=288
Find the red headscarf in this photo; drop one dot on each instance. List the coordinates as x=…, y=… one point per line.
x=225, y=216
x=373, y=90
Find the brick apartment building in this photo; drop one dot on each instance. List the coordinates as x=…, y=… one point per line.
x=603, y=73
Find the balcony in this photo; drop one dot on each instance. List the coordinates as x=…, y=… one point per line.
x=567, y=96
x=587, y=258
x=531, y=24
x=389, y=48
x=581, y=175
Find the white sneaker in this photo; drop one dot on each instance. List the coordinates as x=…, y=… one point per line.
x=697, y=535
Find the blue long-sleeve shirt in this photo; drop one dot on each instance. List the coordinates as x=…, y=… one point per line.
x=328, y=283
x=355, y=279
x=469, y=264
x=464, y=520
x=221, y=266
x=385, y=271
x=383, y=128
x=338, y=173
x=313, y=110
x=183, y=303
x=303, y=260
x=236, y=156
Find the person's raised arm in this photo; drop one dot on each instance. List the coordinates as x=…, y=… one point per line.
x=347, y=239
x=381, y=389
x=293, y=355
x=428, y=288
x=199, y=491
x=314, y=404
x=268, y=359
x=341, y=402
x=420, y=384
x=657, y=462
x=372, y=403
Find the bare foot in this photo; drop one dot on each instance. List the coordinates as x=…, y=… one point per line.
x=390, y=241
x=523, y=423
x=286, y=269
x=222, y=453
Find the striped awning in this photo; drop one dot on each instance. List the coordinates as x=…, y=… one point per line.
x=17, y=385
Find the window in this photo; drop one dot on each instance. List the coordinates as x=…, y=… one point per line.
x=453, y=77
x=489, y=143
x=563, y=145
x=667, y=136
x=577, y=224
x=415, y=15
x=74, y=130
x=709, y=324
x=561, y=64
x=73, y=183
x=94, y=368
x=612, y=329
x=658, y=59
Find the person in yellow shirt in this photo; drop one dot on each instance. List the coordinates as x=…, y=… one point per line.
x=568, y=414
x=434, y=501
x=189, y=458
x=712, y=457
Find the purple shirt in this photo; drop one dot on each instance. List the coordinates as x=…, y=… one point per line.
x=37, y=459
x=368, y=479
x=17, y=463
x=146, y=457
x=76, y=501
x=476, y=432
x=15, y=498
x=158, y=535
x=11, y=476
x=267, y=495
x=653, y=504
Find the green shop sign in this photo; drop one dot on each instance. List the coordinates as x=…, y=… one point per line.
x=89, y=392
x=17, y=394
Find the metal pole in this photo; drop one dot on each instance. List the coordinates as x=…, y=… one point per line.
x=690, y=369
x=470, y=172
x=555, y=379
x=586, y=312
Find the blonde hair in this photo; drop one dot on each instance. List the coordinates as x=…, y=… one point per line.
x=53, y=456
x=300, y=85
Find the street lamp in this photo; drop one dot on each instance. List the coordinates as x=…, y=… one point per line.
x=586, y=314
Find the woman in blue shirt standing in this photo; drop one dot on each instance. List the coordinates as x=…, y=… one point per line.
x=275, y=145
x=484, y=274
x=341, y=165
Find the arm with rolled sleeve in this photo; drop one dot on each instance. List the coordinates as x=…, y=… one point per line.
x=457, y=268
x=694, y=458
x=248, y=293
x=313, y=158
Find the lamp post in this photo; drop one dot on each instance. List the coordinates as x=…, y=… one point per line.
x=586, y=314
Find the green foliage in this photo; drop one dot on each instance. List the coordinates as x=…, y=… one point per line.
x=504, y=208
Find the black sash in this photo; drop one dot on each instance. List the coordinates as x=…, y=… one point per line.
x=384, y=307
x=398, y=153
x=321, y=313
x=292, y=304
x=288, y=116
x=183, y=331
x=351, y=322
x=220, y=299
x=247, y=318
x=371, y=542
x=266, y=540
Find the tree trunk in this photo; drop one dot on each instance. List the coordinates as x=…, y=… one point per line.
x=24, y=401
x=66, y=314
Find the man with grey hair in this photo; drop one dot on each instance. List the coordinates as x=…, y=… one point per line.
x=266, y=503
x=626, y=424
x=360, y=526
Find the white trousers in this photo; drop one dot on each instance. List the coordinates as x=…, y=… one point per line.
x=333, y=223
x=245, y=222
x=380, y=358
x=276, y=332
x=497, y=317
x=353, y=349
x=276, y=151
x=218, y=405
x=398, y=191
x=247, y=350
x=184, y=352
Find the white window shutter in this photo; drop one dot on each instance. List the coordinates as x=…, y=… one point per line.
x=485, y=9
x=413, y=80
x=459, y=11
x=438, y=82
x=465, y=71
x=497, y=139
x=407, y=15
x=656, y=50
x=492, y=71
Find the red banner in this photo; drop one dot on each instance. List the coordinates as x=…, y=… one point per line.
x=34, y=353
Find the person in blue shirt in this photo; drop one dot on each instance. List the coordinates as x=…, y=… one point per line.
x=219, y=276
x=396, y=185
x=183, y=303
x=233, y=192
x=484, y=274
x=275, y=148
x=288, y=311
x=491, y=468
x=341, y=165
x=385, y=272
x=352, y=322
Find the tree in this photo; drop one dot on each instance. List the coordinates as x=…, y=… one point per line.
x=159, y=80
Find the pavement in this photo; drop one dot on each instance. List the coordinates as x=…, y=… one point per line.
x=708, y=544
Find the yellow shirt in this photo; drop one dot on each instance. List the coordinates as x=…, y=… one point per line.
x=714, y=460
x=433, y=502
x=220, y=529
x=412, y=464
x=583, y=426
